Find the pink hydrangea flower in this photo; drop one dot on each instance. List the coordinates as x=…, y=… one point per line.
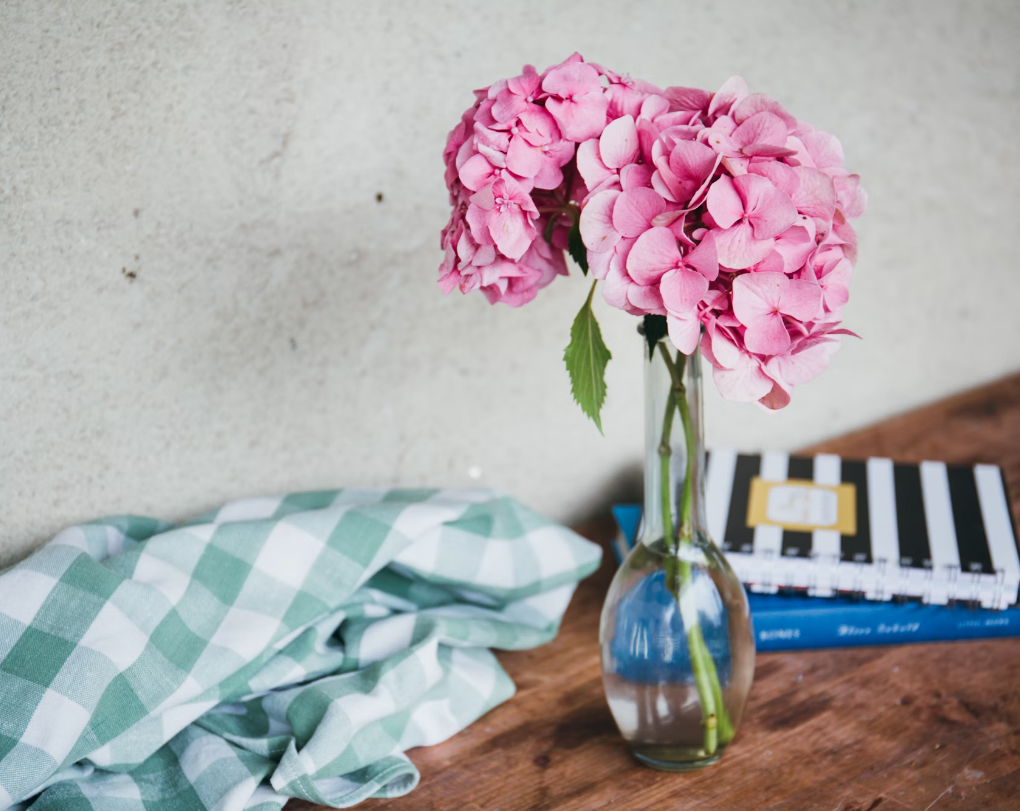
x=720, y=211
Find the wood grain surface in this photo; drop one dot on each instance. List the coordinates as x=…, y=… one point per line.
x=915, y=727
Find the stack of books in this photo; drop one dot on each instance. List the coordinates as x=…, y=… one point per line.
x=837, y=552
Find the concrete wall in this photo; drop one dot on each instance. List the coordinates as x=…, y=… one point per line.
x=202, y=297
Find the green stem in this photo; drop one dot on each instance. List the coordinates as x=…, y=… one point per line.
x=665, y=453
x=718, y=728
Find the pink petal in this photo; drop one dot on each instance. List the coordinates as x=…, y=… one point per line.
x=571, y=80
x=478, y=221
x=767, y=151
x=582, y=118
x=773, y=263
x=618, y=144
x=756, y=103
x=816, y=193
x=653, y=254
x=476, y=172
x=512, y=231
x=743, y=384
x=484, y=255
x=776, y=399
x=801, y=299
x=688, y=98
x=803, y=365
x=722, y=143
x=635, y=210
x=757, y=295
x=681, y=290
x=684, y=331
x=769, y=210
x=484, y=198
x=654, y=106
x=515, y=192
x=648, y=135
x=795, y=245
x=598, y=263
x=527, y=83
x=761, y=128
x=825, y=149
x=705, y=257
x=614, y=288
x=508, y=106
x=724, y=347
x=597, y=231
x=702, y=192
x=691, y=163
x=732, y=91
x=590, y=165
x=834, y=285
x=738, y=249
x=611, y=183
x=664, y=182
x=549, y=176
x=448, y=282
x=851, y=198
x=724, y=203
x=636, y=175
x=522, y=158
x=779, y=174
x=645, y=298
x=494, y=139
x=767, y=335
x=668, y=218
x=538, y=128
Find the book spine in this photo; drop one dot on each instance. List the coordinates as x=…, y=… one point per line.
x=877, y=624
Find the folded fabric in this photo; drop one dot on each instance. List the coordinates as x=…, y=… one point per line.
x=276, y=648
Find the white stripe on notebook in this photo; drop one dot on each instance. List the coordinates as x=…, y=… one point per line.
x=768, y=540
x=825, y=542
x=885, y=538
x=938, y=517
x=998, y=524
x=718, y=490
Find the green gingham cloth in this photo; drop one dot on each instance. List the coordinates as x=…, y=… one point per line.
x=278, y=647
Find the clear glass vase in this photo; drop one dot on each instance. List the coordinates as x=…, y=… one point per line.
x=676, y=639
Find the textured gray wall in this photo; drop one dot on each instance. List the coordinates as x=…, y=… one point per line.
x=283, y=328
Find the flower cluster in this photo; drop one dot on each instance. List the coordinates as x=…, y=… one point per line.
x=720, y=211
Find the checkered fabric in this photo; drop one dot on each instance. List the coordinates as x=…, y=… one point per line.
x=275, y=648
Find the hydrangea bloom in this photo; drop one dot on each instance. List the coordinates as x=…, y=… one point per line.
x=720, y=211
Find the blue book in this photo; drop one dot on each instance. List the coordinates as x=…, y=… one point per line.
x=798, y=622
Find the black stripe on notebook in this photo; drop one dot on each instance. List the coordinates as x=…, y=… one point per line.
x=857, y=548
x=739, y=536
x=915, y=551
x=971, y=538
x=798, y=544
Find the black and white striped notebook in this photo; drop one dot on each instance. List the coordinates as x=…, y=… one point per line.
x=882, y=529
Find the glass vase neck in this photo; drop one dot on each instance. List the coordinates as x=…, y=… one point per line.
x=674, y=447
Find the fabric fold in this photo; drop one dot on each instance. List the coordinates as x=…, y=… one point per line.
x=280, y=647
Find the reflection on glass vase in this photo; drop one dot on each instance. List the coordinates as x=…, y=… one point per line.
x=676, y=639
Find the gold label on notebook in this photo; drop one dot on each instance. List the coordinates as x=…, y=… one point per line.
x=799, y=504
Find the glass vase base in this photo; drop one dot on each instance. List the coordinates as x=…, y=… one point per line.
x=675, y=758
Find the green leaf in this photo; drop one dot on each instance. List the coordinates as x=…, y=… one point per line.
x=586, y=357
x=655, y=330
x=576, y=247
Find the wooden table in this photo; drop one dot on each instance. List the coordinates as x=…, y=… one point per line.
x=913, y=727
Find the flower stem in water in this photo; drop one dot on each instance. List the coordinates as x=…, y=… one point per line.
x=718, y=728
